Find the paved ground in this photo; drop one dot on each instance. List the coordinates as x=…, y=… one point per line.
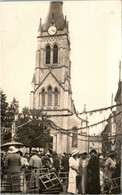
x=64, y=190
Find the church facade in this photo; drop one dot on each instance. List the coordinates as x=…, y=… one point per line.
x=51, y=84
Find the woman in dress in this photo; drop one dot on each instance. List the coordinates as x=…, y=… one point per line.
x=83, y=173
x=73, y=172
x=101, y=172
x=93, y=186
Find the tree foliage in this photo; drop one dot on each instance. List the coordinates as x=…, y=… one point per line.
x=12, y=110
x=7, y=116
x=33, y=133
x=25, y=111
x=14, y=106
x=3, y=106
x=8, y=111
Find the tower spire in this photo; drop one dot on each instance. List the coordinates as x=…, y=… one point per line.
x=55, y=16
x=40, y=28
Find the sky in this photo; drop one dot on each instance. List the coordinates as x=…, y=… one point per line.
x=95, y=35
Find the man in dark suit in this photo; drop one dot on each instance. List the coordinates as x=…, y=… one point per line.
x=65, y=162
x=56, y=162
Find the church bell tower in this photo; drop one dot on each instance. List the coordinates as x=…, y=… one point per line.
x=51, y=84
x=51, y=81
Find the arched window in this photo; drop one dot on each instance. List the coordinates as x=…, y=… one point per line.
x=56, y=97
x=55, y=54
x=49, y=96
x=43, y=97
x=74, y=137
x=40, y=99
x=48, y=52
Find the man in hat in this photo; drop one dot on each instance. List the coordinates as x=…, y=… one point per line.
x=110, y=167
x=35, y=164
x=65, y=162
x=110, y=164
x=93, y=185
x=12, y=166
x=83, y=173
x=56, y=162
x=65, y=167
x=73, y=172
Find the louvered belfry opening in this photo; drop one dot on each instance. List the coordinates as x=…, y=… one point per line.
x=48, y=52
x=55, y=54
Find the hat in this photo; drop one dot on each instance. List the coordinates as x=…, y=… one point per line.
x=20, y=152
x=84, y=153
x=99, y=154
x=47, y=154
x=93, y=151
x=74, y=152
x=101, y=157
x=34, y=151
x=112, y=153
x=12, y=149
x=54, y=153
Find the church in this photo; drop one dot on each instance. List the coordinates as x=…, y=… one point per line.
x=51, y=84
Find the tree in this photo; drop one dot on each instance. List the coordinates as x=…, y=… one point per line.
x=33, y=132
x=12, y=110
x=25, y=111
x=14, y=106
x=3, y=106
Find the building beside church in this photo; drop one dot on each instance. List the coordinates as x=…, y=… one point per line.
x=95, y=142
x=118, y=100
x=112, y=133
x=51, y=84
x=108, y=143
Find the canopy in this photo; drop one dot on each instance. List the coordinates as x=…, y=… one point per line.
x=13, y=143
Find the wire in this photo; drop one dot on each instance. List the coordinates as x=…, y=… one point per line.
x=52, y=125
x=87, y=127
x=84, y=112
x=101, y=109
x=67, y=130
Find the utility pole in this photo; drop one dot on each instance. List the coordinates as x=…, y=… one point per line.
x=13, y=130
x=87, y=129
x=88, y=133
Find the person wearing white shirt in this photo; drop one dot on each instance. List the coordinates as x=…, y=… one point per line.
x=73, y=172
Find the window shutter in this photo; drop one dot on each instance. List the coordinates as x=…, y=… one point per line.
x=48, y=52
x=55, y=54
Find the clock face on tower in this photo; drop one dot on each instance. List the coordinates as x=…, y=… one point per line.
x=52, y=30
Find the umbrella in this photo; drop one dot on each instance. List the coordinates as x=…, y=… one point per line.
x=13, y=143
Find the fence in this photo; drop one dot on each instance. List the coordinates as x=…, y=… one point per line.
x=41, y=181
x=35, y=181
x=112, y=186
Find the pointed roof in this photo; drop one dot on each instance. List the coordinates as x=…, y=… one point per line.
x=33, y=79
x=55, y=16
x=50, y=73
x=40, y=25
x=119, y=91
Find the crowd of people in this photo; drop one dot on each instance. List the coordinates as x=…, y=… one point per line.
x=86, y=173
